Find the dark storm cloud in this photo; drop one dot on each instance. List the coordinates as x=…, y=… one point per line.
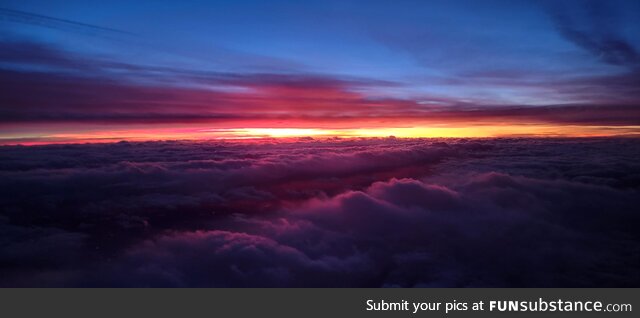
x=370, y=212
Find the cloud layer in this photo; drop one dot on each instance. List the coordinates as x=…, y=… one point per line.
x=360, y=212
x=46, y=85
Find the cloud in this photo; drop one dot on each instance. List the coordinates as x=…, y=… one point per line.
x=59, y=24
x=228, y=259
x=43, y=84
x=599, y=36
x=26, y=249
x=361, y=212
x=72, y=99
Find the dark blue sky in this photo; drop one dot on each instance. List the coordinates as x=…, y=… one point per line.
x=425, y=53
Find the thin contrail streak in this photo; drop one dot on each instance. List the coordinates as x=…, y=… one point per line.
x=51, y=22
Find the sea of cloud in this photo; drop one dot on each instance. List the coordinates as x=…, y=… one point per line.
x=329, y=213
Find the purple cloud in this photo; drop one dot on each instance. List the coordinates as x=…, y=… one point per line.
x=369, y=212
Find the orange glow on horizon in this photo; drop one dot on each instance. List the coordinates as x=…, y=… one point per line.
x=104, y=135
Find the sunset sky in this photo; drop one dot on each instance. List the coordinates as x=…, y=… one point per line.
x=77, y=71
x=319, y=143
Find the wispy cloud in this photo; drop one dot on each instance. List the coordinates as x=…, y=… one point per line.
x=596, y=33
x=59, y=24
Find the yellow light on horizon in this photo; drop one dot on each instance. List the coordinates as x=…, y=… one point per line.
x=479, y=131
x=282, y=132
x=207, y=133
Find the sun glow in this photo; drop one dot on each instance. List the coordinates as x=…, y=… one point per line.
x=273, y=132
x=66, y=135
x=481, y=131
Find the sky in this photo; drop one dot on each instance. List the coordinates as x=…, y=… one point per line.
x=249, y=143
x=77, y=71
